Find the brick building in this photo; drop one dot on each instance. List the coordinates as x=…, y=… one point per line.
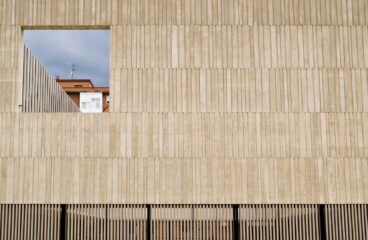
x=84, y=94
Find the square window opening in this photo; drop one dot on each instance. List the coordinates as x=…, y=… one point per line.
x=66, y=71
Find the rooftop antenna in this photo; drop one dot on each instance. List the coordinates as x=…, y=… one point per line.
x=73, y=70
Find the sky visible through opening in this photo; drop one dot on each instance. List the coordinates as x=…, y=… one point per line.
x=57, y=50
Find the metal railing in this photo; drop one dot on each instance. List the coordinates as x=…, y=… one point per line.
x=187, y=222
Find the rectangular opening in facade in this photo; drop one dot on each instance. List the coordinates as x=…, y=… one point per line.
x=66, y=70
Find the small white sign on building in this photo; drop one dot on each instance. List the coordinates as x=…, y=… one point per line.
x=91, y=102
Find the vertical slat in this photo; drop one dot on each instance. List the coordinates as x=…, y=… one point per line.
x=41, y=91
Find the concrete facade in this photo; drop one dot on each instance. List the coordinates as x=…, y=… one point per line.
x=238, y=101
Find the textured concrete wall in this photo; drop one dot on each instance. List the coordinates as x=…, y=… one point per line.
x=239, y=101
